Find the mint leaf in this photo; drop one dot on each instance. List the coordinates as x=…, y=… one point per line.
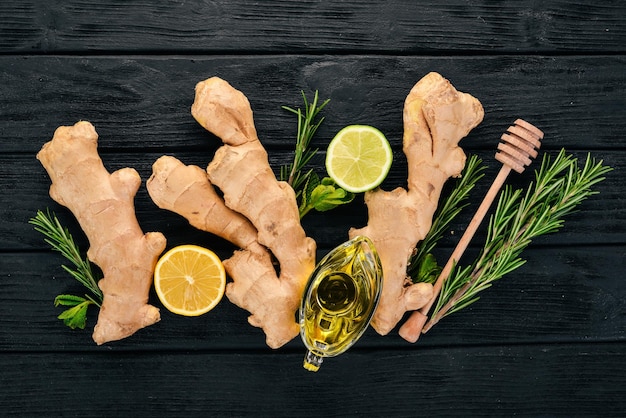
x=428, y=269
x=323, y=195
x=76, y=316
x=68, y=300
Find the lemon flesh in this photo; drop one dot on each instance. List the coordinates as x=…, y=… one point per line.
x=358, y=158
x=189, y=280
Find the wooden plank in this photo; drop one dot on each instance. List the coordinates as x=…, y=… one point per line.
x=561, y=295
x=143, y=102
x=450, y=26
x=522, y=380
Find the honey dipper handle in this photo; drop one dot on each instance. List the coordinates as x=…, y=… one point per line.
x=413, y=326
x=472, y=227
x=518, y=147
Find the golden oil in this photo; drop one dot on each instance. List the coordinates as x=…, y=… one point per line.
x=339, y=300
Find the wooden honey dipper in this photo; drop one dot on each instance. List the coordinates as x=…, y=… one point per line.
x=516, y=151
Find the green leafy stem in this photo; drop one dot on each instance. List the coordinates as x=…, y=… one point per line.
x=422, y=265
x=312, y=192
x=60, y=239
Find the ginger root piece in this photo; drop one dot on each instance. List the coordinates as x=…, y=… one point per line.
x=258, y=214
x=103, y=205
x=436, y=117
x=241, y=170
x=186, y=190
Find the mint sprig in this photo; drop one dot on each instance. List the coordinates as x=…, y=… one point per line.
x=322, y=195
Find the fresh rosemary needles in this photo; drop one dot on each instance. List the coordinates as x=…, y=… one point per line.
x=313, y=192
x=560, y=186
x=60, y=239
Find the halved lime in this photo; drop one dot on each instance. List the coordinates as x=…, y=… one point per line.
x=358, y=158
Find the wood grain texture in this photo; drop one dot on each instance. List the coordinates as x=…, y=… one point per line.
x=143, y=102
x=450, y=26
x=525, y=380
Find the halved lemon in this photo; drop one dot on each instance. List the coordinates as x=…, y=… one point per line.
x=358, y=158
x=189, y=280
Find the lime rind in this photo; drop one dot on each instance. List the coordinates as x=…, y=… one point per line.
x=341, y=153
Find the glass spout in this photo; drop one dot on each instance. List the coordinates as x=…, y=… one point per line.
x=339, y=300
x=312, y=361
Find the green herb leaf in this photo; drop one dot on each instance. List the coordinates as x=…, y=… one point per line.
x=428, y=270
x=76, y=316
x=323, y=196
x=61, y=240
x=68, y=300
x=312, y=182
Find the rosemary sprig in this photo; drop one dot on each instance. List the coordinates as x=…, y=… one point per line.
x=314, y=193
x=422, y=264
x=60, y=239
x=307, y=126
x=559, y=187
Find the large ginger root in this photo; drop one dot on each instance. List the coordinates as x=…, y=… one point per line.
x=103, y=205
x=242, y=172
x=252, y=197
x=436, y=117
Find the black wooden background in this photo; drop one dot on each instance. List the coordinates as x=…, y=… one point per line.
x=547, y=340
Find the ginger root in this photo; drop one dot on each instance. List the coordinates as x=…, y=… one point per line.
x=186, y=190
x=258, y=213
x=103, y=205
x=436, y=117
